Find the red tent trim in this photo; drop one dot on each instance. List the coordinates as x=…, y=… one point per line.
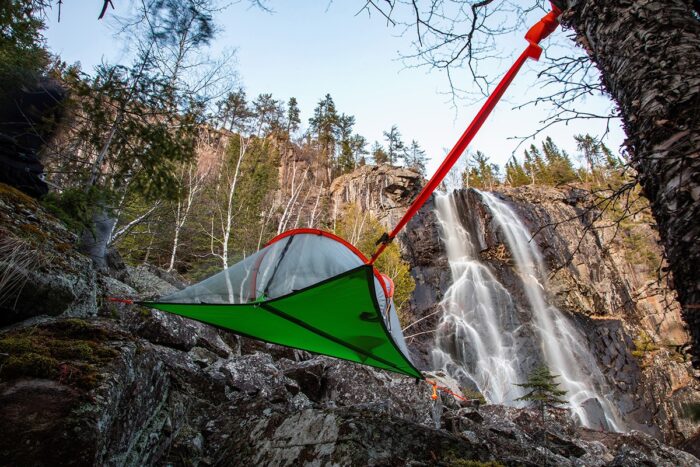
x=345, y=243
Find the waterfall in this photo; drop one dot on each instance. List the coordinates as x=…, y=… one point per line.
x=476, y=334
x=482, y=338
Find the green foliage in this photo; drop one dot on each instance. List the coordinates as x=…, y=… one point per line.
x=414, y=157
x=362, y=230
x=346, y=156
x=131, y=134
x=628, y=211
x=269, y=115
x=233, y=111
x=515, y=173
x=258, y=179
x=22, y=54
x=543, y=390
x=76, y=207
x=340, y=149
x=379, y=155
x=549, y=165
x=394, y=144
x=639, y=248
x=70, y=351
x=480, y=173
x=293, y=116
x=324, y=125
x=643, y=344
x=601, y=167
x=558, y=168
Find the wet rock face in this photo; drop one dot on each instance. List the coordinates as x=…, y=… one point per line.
x=605, y=285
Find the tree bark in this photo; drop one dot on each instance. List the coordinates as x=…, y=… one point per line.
x=648, y=52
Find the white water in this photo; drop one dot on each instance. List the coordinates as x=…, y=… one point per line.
x=476, y=334
x=487, y=339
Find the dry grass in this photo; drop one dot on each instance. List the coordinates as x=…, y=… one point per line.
x=17, y=259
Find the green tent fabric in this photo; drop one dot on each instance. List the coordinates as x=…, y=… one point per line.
x=307, y=290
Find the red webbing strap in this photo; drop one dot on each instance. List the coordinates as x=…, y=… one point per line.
x=538, y=32
x=121, y=300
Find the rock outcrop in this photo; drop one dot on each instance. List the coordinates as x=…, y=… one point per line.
x=85, y=381
x=384, y=191
x=606, y=283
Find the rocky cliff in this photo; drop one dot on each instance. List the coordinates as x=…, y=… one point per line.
x=605, y=280
x=384, y=191
x=86, y=381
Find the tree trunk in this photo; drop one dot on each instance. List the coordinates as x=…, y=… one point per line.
x=648, y=52
x=93, y=242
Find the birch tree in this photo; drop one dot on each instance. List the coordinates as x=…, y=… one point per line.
x=192, y=180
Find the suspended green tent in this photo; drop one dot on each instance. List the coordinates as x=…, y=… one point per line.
x=311, y=290
x=307, y=289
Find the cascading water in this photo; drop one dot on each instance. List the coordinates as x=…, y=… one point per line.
x=476, y=335
x=480, y=337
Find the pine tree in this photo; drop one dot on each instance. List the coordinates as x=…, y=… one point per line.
x=415, y=157
x=293, y=117
x=395, y=147
x=515, y=173
x=358, y=146
x=480, y=173
x=544, y=393
x=559, y=168
x=22, y=55
x=533, y=164
x=346, y=157
x=268, y=113
x=594, y=153
x=233, y=112
x=543, y=390
x=379, y=155
x=324, y=125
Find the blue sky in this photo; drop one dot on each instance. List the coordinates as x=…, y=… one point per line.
x=309, y=48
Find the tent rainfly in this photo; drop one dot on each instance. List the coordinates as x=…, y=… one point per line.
x=307, y=289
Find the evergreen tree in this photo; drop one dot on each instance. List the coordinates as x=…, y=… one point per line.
x=515, y=173
x=480, y=173
x=414, y=157
x=595, y=154
x=534, y=165
x=543, y=390
x=379, y=154
x=233, y=111
x=293, y=117
x=22, y=54
x=358, y=146
x=559, y=168
x=346, y=156
x=324, y=126
x=544, y=393
x=268, y=113
x=135, y=125
x=395, y=147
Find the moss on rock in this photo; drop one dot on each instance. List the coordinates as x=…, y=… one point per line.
x=70, y=351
